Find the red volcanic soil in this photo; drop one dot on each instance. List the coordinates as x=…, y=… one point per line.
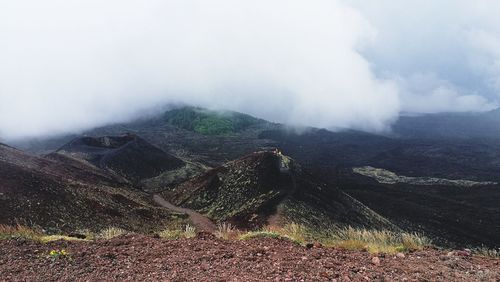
x=138, y=257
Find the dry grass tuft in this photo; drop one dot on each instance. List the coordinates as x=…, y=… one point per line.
x=52, y=238
x=376, y=241
x=110, y=233
x=293, y=232
x=487, y=252
x=373, y=241
x=260, y=234
x=226, y=231
x=188, y=232
x=17, y=232
x=351, y=245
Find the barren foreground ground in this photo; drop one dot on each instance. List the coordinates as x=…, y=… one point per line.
x=137, y=257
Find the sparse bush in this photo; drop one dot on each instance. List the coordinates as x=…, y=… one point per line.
x=376, y=241
x=89, y=235
x=414, y=241
x=351, y=245
x=487, y=252
x=171, y=234
x=260, y=234
x=226, y=231
x=110, y=233
x=52, y=238
x=293, y=232
x=17, y=232
x=188, y=232
x=296, y=232
x=23, y=232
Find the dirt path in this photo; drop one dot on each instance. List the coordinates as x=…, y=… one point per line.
x=201, y=222
x=275, y=219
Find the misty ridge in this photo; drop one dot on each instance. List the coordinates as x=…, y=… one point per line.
x=70, y=66
x=265, y=140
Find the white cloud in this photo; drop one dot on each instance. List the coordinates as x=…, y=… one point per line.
x=454, y=41
x=486, y=58
x=71, y=65
x=426, y=93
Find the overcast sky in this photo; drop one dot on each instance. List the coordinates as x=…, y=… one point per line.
x=68, y=65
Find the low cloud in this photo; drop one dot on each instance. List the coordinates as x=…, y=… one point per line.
x=426, y=93
x=67, y=66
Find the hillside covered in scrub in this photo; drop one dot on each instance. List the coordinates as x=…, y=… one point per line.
x=192, y=177
x=166, y=155
x=269, y=187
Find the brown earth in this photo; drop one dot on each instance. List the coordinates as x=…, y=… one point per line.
x=142, y=258
x=200, y=221
x=63, y=194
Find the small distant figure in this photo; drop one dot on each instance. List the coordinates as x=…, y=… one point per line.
x=277, y=152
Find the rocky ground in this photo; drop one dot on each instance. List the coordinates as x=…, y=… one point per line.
x=205, y=258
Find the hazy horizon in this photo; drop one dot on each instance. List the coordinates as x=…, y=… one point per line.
x=67, y=66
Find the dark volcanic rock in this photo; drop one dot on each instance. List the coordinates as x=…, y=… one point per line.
x=268, y=187
x=65, y=195
x=457, y=146
x=129, y=155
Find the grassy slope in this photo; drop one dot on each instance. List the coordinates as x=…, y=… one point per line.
x=209, y=122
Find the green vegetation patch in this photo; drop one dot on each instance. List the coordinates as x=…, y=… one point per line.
x=209, y=122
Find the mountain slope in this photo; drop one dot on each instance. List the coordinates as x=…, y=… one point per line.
x=330, y=157
x=450, y=125
x=263, y=187
x=61, y=196
x=127, y=155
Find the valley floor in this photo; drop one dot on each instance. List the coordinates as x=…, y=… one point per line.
x=146, y=258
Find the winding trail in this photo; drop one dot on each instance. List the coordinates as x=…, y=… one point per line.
x=201, y=222
x=275, y=219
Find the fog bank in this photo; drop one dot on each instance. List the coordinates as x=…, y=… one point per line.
x=72, y=65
